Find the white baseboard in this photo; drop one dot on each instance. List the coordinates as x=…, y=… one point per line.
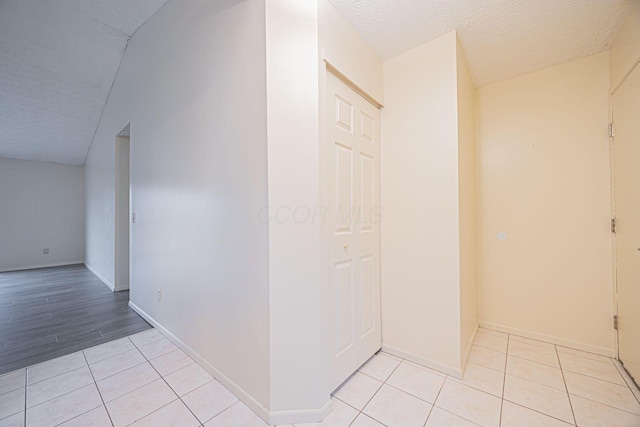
x=304, y=416
x=467, y=351
x=33, y=267
x=272, y=418
x=420, y=360
x=603, y=351
x=100, y=276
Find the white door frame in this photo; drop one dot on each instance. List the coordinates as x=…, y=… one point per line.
x=122, y=169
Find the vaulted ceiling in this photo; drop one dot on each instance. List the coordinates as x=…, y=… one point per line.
x=59, y=58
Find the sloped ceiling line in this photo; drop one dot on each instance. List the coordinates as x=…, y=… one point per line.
x=59, y=59
x=58, y=62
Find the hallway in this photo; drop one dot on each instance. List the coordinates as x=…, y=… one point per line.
x=145, y=380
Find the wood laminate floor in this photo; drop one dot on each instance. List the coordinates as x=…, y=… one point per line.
x=50, y=312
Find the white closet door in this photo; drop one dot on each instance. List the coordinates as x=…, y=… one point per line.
x=354, y=215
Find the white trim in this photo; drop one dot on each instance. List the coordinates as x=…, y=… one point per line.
x=282, y=417
x=469, y=347
x=626, y=76
x=33, y=267
x=334, y=66
x=420, y=360
x=100, y=276
x=608, y=352
x=302, y=416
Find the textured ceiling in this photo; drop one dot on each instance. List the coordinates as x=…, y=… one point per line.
x=500, y=38
x=58, y=59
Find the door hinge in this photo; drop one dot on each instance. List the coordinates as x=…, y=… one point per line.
x=611, y=134
x=614, y=225
x=615, y=322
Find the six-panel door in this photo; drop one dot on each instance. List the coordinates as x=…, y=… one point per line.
x=354, y=216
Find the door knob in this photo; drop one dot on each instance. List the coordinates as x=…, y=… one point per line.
x=346, y=245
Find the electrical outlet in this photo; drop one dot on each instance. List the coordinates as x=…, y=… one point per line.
x=159, y=295
x=45, y=251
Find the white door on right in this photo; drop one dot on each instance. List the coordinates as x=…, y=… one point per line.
x=354, y=216
x=626, y=146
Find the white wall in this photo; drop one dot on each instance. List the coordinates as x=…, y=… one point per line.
x=41, y=206
x=420, y=234
x=348, y=51
x=545, y=182
x=467, y=206
x=298, y=311
x=192, y=84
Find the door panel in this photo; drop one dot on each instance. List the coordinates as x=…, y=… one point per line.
x=367, y=190
x=343, y=188
x=353, y=129
x=369, y=300
x=344, y=313
x=626, y=109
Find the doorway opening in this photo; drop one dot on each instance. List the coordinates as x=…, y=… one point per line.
x=122, y=208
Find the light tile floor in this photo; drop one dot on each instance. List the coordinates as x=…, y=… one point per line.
x=145, y=380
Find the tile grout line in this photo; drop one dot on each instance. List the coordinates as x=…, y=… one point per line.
x=539, y=412
x=504, y=378
x=566, y=389
x=596, y=378
x=549, y=366
x=95, y=383
x=458, y=416
x=567, y=369
x=385, y=382
x=70, y=354
x=88, y=365
x=435, y=400
x=605, y=404
x=198, y=388
x=630, y=385
x=171, y=388
x=434, y=372
x=60, y=395
x=573, y=414
x=378, y=390
x=528, y=360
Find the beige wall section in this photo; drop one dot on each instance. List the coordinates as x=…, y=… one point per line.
x=467, y=206
x=545, y=182
x=348, y=51
x=419, y=196
x=625, y=50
